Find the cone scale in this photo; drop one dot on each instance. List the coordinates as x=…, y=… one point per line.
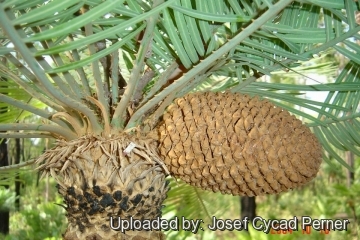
x=234, y=144
x=101, y=178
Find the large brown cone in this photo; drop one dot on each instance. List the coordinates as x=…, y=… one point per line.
x=98, y=181
x=237, y=145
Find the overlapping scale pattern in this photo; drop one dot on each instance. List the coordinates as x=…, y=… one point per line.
x=235, y=144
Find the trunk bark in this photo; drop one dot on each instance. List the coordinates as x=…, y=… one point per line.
x=248, y=208
x=349, y=174
x=17, y=179
x=4, y=214
x=103, y=177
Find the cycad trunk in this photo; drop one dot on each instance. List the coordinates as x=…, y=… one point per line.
x=103, y=177
x=248, y=207
x=4, y=213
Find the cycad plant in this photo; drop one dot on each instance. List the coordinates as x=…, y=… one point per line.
x=99, y=75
